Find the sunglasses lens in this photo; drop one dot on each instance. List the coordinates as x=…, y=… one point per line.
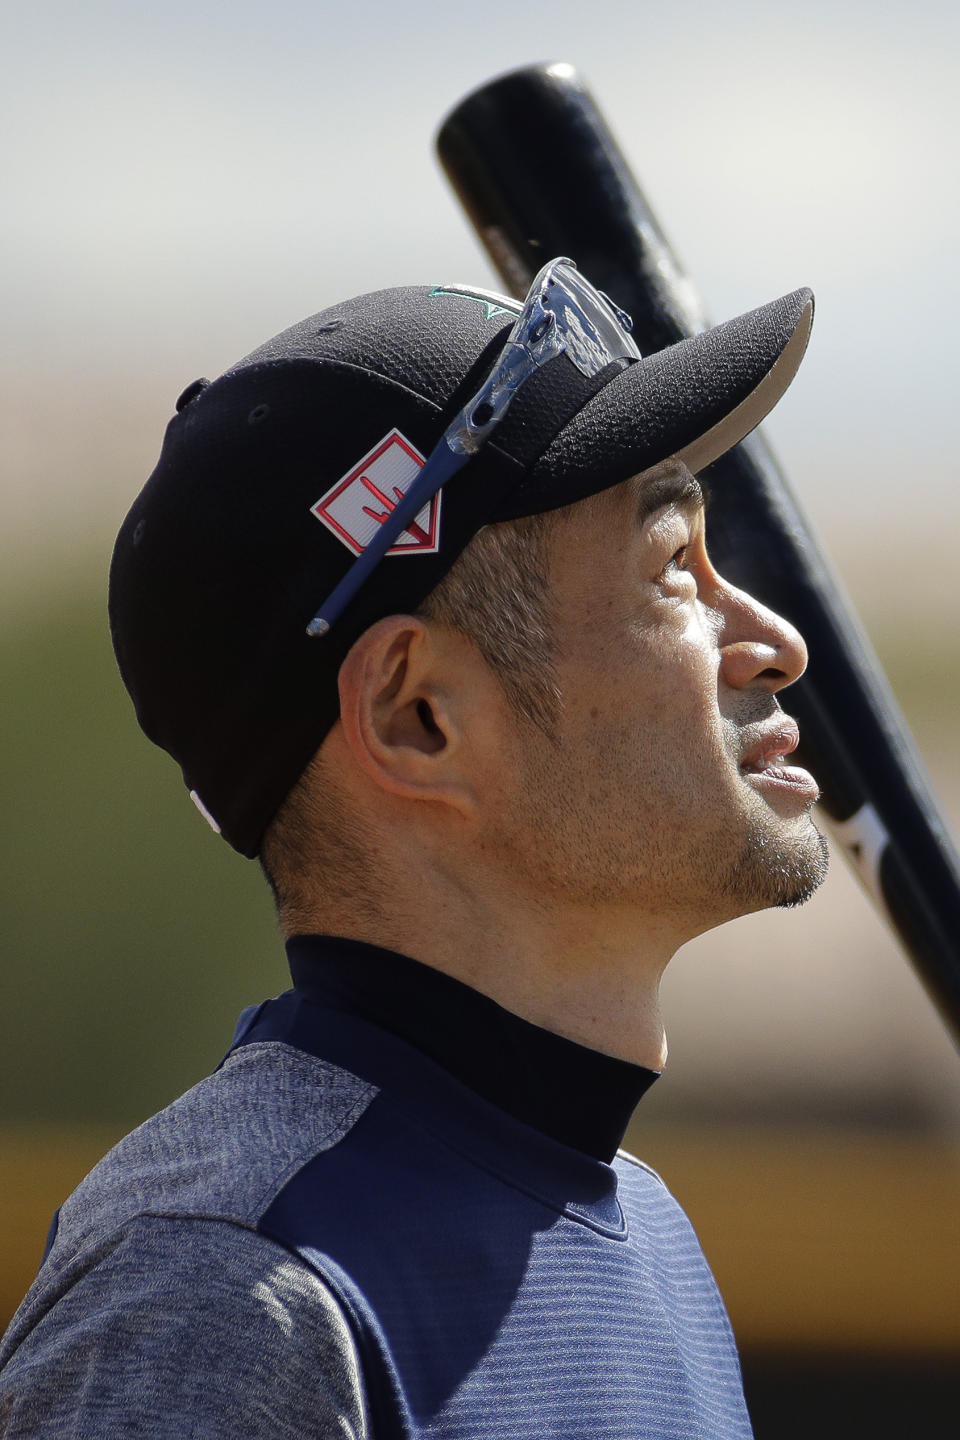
x=595, y=333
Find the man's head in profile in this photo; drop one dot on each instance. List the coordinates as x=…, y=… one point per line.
x=419, y=597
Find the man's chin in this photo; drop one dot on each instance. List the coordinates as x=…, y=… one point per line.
x=809, y=878
x=777, y=871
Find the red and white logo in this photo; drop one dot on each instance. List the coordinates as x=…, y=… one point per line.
x=357, y=505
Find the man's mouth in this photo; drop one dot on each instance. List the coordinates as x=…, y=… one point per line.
x=765, y=762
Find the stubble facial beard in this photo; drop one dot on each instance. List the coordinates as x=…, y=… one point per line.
x=777, y=870
x=778, y=873
x=590, y=843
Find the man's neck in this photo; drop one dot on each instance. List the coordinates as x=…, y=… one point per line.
x=574, y=1094
x=589, y=974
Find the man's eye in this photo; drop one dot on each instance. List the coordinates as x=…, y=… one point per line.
x=677, y=560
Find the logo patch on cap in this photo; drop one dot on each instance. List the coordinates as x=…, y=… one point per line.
x=492, y=303
x=357, y=505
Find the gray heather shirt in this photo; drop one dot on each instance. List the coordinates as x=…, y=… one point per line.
x=160, y=1311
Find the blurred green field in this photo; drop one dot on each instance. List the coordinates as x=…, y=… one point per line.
x=130, y=934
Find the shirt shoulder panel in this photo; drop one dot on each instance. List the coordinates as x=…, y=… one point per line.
x=185, y=1327
x=222, y=1150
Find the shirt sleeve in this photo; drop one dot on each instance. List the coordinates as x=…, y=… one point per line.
x=187, y=1328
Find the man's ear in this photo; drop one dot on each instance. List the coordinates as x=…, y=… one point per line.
x=398, y=719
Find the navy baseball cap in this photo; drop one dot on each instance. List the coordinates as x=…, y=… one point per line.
x=273, y=478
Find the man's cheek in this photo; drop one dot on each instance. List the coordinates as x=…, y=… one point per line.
x=697, y=662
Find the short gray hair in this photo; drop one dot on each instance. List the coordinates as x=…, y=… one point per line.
x=498, y=595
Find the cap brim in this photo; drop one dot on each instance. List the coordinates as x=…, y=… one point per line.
x=693, y=401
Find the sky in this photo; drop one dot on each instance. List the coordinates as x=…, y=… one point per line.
x=182, y=181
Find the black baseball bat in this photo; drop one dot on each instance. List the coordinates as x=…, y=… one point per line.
x=539, y=174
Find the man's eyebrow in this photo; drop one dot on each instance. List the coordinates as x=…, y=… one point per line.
x=676, y=487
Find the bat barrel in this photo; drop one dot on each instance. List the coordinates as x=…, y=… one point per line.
x=539, y=174
x=523, y=192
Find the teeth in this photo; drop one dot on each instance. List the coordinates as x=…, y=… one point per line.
x=769, y=762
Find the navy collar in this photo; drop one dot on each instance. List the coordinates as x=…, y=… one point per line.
x=573, y=1094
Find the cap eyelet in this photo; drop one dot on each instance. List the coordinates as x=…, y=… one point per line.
x=258, y=414
x=187, y=397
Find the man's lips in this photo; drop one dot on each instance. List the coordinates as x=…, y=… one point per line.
x=765, y=761
x=771, y=746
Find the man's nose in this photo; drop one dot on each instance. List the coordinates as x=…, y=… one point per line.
x=758, y=648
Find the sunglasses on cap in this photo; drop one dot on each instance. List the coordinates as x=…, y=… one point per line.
x=562, y=315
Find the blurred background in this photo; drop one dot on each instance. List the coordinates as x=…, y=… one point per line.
x=180, y=182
